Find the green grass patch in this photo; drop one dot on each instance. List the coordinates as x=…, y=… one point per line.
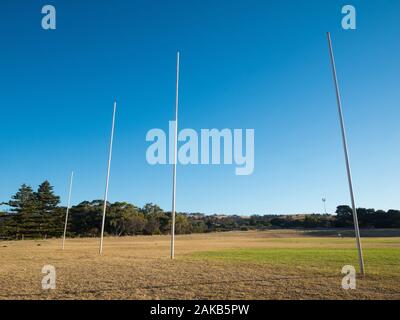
x=378, y=261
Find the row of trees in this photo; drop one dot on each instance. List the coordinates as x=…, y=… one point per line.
x=37, y=214
x=32, y=214
x=123, y=219
x=368, y=218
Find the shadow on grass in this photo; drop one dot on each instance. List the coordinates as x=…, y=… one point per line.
x=47, y=295
x=349, y=233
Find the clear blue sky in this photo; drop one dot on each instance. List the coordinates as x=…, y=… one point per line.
x=244, y=64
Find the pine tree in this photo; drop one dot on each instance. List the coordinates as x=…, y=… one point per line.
x=47, y=203
x=24, y=206
x=24, y=201
x=46, y=199
x=35, y=214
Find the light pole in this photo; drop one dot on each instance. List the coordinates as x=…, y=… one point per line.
x=324, y=201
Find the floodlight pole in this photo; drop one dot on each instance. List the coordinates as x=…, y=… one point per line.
x=175, y=160
x=107, y=179
x=324, y=201
x=346, y=153
x=68, y=206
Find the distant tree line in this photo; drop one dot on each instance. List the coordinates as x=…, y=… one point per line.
x=37, y=214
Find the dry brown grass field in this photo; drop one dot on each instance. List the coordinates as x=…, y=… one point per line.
x=234, y=265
